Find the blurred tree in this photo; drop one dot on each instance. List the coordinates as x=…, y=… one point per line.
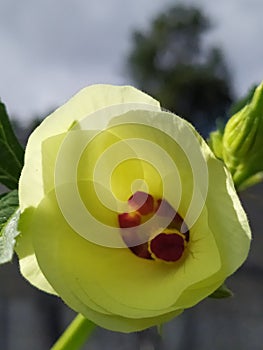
x=171, y=63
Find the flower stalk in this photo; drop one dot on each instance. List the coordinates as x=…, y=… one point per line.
x=75, y=335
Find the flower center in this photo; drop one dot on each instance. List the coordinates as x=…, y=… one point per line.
x=166, y=245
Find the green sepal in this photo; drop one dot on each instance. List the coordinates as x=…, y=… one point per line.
x=251, y=181
x=222, y=292
x=12, y=153
x=215, y=142
x=9, y=216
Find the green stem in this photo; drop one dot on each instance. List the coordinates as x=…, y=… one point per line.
x=75, y=335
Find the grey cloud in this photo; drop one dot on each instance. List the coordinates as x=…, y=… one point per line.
x=50, y=49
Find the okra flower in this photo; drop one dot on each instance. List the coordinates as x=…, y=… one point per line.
x=126, y=214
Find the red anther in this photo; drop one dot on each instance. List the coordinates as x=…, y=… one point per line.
x=167, y=247
x=142, y=251
x=163, y=208
x=127, y=220
x=142, y=202
x=130, y=238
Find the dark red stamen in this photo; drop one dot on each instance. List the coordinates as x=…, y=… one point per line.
x=166, y=210
x=142, y=202
x=127, y=220
x=163, y=208
x=142, y=251
x=167, y=247
x=130, y=237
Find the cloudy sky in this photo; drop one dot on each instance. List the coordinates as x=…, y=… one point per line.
x=50, y=49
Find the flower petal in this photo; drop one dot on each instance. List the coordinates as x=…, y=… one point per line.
x=232, y=234
x=127, y=325
x=114, y=278
x=84, y=103
x=228, y=223
x=25, y=250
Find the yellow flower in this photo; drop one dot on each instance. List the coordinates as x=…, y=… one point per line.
x=126, y=213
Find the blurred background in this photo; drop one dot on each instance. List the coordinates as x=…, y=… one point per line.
x=197, y=58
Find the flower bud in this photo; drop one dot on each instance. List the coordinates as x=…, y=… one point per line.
x=243, y=142
x=215, y=142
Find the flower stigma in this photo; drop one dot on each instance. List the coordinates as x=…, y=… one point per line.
x=167, y=245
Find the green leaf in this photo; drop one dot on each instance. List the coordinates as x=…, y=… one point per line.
x=7, y=239
x=9, y=215
x=3, y=194
x=8, y=205
x=12, y=153
x=222, y=292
